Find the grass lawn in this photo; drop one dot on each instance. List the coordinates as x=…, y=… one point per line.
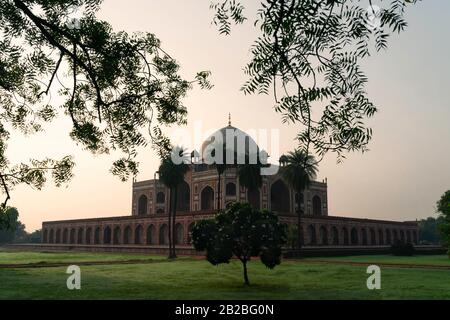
x=189, y=278
x=13, y=257
x=437, y=260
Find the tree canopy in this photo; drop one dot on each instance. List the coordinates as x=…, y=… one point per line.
x=119, y=89
x=308, y=55
x=243, y=232
x=443, y=208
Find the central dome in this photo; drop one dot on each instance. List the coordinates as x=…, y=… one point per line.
x=229, y=139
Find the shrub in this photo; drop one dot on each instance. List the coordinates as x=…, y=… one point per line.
x=400, y=248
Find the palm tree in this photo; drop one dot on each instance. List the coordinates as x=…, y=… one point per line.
x=221, y=166
x=298, y=170
x=172, y=175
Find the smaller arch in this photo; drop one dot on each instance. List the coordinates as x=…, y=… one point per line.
x=72, y=236
x=364, y=237
x=97, y=235
x=58, y=236
x=402, y=236
x=323, y=233
x=151, y=234
x=312, y=234
x=88, y=235
x=190, y=227
x=230, y=189
x=354, y=237
x=80, y=236
x=51, y=236
x=107, y=235
x=345, y=236
x=179, y=234
x=45, y=236
x=127, y=235
x=388, y=237
x=163, y=234
x=138, y=235
x=65, y=236
x=380, y=237
x=373, y=237
x=335, y=236
x=116, y=235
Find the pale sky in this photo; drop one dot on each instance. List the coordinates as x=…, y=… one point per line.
x=401, y=178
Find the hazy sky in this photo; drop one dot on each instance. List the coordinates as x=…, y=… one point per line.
x=401, y=178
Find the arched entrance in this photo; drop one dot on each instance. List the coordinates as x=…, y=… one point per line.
x=279, y=197
x=207, y=198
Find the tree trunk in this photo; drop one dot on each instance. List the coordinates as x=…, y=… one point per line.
x=247, y=282
x=174, y=254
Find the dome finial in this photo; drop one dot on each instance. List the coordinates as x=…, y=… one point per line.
x=229, y=119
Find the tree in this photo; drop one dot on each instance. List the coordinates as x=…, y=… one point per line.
x=429, y=230
x=115, y=86
x=443, y=208
x=308, y=54
x=298, y=169
x=171, y=172
x=243, y=232
x=10, y=227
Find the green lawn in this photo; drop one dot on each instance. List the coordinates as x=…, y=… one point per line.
x=439, y=260
x=190, y=278
x=13, y=257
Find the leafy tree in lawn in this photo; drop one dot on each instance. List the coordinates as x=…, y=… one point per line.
x=171, y=172
x=116, y=88
x=243, y=232
x=309, y=54
x=443, y=207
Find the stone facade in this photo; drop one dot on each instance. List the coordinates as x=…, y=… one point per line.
x=200, y=196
